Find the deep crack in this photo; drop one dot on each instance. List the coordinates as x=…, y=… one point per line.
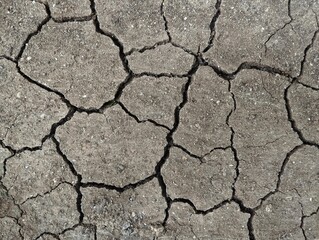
x=165, y=205
x=212, y=25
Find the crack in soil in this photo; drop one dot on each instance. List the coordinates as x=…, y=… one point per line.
x=212, y=25
x=199, y=61
x=281, y=28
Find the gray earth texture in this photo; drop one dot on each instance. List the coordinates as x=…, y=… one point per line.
x=159, y=119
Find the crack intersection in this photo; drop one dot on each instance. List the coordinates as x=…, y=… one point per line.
x=199, y=61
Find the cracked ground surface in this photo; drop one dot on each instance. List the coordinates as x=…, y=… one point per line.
x=159, y=119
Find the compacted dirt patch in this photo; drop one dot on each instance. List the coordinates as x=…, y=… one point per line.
x=159, y=119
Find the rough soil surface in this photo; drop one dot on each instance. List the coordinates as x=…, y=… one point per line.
x=159, y=119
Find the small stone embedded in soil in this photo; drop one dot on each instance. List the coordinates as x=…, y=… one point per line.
x=52, y=212
x=202, y=125
x=163, y=59
x=226, y=222
x=74, y=59
x=206, y=184
x=154, y=98
x=263, y=134
x=18, y=19
x=133, y=214
x=34, y=173
x=112, y=148
x=135, y=23
x=26, y=110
